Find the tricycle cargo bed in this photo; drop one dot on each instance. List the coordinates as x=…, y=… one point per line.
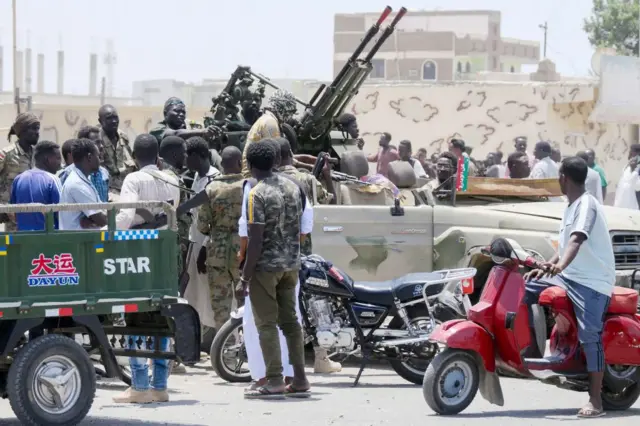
x=86, y=272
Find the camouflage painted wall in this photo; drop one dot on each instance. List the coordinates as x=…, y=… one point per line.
x=488, y=116
x=60, y=123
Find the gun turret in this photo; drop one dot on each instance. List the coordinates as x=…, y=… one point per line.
x=329, y=102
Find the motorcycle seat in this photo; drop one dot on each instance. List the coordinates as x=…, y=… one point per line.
x=404, y=288
x=624, y=301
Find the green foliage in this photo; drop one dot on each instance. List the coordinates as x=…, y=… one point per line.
x=614, y=23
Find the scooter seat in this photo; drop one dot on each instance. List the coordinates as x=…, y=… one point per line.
x=624, y=301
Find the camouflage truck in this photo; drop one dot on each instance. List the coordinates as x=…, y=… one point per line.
x=382, y=238
x=114, y=287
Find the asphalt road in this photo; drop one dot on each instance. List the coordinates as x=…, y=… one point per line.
x=382, y=398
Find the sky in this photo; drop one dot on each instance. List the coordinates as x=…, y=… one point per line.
x=191, y=40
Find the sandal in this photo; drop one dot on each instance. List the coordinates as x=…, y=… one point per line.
x=292, y=392
x=263, y=392
x=590, y=412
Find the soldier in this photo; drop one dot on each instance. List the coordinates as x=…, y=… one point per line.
x=282, y=106
x=117, y=158
x=307, y=181
x=218, y=219
x=17, y=158
x=175, y=123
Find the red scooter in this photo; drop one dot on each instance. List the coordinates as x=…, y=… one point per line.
x=496, y=338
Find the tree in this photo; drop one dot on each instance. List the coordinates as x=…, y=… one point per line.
x=614, y=23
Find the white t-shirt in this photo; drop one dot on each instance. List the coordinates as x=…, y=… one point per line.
x=418, y=169
x=594, y=266
x=626, y=190
x=198, y=185
x=593, y=184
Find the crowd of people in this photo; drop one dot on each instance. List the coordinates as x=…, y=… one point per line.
x=543, y=163
x=249, y=214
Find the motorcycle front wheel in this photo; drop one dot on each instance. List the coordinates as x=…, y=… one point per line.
x=229, y=354
x=413, y=370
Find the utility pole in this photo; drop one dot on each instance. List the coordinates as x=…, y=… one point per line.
x=15, y=57
x=545, y=28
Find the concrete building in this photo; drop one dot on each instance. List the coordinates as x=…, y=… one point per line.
x=436, y=45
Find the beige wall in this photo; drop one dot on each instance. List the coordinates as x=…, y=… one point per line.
x=488, y=116
x=60, y=123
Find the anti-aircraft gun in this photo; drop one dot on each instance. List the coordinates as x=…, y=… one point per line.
x=316, y=130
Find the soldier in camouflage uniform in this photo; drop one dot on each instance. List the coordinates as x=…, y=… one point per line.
x=173, y=153
x=274, y=213
x=118, y=157
x=17, y=158
x=175, y=123
x=218, y=219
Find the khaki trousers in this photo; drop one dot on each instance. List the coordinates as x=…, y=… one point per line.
x=274, y=305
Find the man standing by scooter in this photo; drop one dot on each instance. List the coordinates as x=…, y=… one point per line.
x=585, y=267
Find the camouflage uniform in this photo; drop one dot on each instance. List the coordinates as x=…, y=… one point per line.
x=13, y=161
x=159, y=131
x=306, y=180
x=118, y=159
x=184, y=221
x=276, y=203
x=218, y=219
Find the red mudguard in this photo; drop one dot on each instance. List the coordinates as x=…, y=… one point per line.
x=467, y=335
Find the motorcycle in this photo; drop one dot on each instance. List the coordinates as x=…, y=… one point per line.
x=497, y=337
x=386, y=320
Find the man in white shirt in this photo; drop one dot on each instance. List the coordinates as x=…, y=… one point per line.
x=545, y=167
x=256, y=363
x=629, y=184
x=78, y=189
x=149, y=183
x=593, y=184
x=585, y=267
x=404, y=151
x=197, y=292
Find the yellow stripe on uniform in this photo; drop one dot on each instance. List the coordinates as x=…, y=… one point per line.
x=250, y=205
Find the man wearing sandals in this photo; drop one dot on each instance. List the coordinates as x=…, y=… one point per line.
x=270, y=273
x=585, y=267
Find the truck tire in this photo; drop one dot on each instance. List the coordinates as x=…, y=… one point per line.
x=51, y=382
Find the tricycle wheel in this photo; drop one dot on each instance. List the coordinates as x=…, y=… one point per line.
x=625, y=399
x=229, y=354
x=51, y=382
x=451, y=382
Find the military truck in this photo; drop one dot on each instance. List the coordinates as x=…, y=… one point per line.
x=119, y=288
x=381, y=238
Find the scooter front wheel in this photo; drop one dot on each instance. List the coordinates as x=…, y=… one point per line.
x=451, y=381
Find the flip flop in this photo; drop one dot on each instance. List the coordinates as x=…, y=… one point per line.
x=291, y=392
x=263, y=393
x=590, y=413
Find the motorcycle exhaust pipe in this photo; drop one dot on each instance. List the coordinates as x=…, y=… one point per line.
x=401, y=342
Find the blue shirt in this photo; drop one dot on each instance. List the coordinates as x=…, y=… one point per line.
x=34, y=186
x=77, y=189
x=100, y=180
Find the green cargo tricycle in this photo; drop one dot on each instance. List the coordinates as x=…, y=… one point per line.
x=117, y=288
